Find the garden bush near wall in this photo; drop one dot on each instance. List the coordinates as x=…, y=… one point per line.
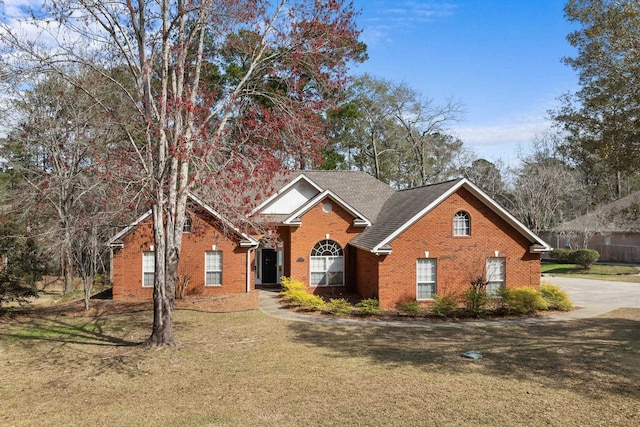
x=295, y=293
x=522, y=301
x=338, y=307
x=445, y=306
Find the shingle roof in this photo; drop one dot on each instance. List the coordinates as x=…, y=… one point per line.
x=618, y=216
x=363, y=192
x=390, y=211
x=398, y=210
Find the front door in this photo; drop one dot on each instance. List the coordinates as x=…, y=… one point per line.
x=269, y=266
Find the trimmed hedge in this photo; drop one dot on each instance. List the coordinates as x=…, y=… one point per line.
x=584, y=257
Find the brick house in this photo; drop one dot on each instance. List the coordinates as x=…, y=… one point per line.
x=215, y=258
x=343, y=231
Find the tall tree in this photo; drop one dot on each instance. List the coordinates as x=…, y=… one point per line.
x=600, y=119
x=57, y=150
x=545, y=190
x=226, y=93
x=389, y=131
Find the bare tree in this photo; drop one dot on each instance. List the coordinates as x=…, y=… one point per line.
x=225, y=93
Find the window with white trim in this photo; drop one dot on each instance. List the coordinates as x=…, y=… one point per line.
x=186, y=225
x=496, y=269
x=425, y=278
x=462, y=224
x=213, y=268
x=148, y=268
x=327, y=264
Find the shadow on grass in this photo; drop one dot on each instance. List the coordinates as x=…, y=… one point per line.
x=590, y=357
x=81, y=331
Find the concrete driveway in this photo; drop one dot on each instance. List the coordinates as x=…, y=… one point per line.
x=595, y=297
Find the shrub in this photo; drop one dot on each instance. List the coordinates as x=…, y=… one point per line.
x=411, y=308
x=584, y=257
x=560, y=255
x=338, y=307
x=295, y=292
x=369, y=306
x=523, y=300
x=445, y=306
x=556, y=298
x=475, y=301
x=312, y=302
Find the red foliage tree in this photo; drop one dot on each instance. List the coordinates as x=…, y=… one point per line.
x=226, y=94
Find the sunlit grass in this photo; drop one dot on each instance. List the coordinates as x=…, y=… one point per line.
x=620, y=273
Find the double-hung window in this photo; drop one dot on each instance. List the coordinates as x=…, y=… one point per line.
x=426, y=278
x=148, y=268
x=213, y=268
x=496, y=268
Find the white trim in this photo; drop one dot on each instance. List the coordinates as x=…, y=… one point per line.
x=251, y=240
x=284, y=189
x=144, y=255
x=221, y=271
x=246, y=241
x=359, y=220
x=114, y=240
x=435, y=278
x=488, y=201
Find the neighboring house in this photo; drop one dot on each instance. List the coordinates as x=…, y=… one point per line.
x=341, y=231
x=612, y=229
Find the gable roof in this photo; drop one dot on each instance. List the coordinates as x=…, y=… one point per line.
x=359, y=219
x=619, y=216
x=406, y=207
x=246, y=240
x=359, y=193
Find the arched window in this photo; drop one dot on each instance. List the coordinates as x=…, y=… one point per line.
x=186, y=225
x=327, y=264
x=462, y=224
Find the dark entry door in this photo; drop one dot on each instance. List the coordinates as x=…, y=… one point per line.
x=269, y=266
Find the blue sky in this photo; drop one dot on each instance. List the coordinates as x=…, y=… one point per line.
x=500, y=58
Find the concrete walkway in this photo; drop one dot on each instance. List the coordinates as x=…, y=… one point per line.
x=592, y=297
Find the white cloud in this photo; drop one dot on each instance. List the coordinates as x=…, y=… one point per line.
x=382, y=20
x=504, y=139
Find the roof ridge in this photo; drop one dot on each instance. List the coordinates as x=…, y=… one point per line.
x=431, y=185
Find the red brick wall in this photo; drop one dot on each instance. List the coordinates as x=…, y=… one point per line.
x=366, y=268
x=127, y=261
x=459, y=259
x=315, y=225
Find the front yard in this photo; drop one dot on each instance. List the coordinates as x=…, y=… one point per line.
x=238, y=369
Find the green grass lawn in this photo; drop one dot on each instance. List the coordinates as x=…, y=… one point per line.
x=241, y=369
x=620, y=273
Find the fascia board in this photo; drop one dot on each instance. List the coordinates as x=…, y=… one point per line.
x=505, y=215
x=217, y=215
x=416, y=217
x=284, y=190
x=128, y=229
x=294, y=219
x=480, y=195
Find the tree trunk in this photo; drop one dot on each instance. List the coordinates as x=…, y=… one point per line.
x=67, y=268
x=166, y=267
